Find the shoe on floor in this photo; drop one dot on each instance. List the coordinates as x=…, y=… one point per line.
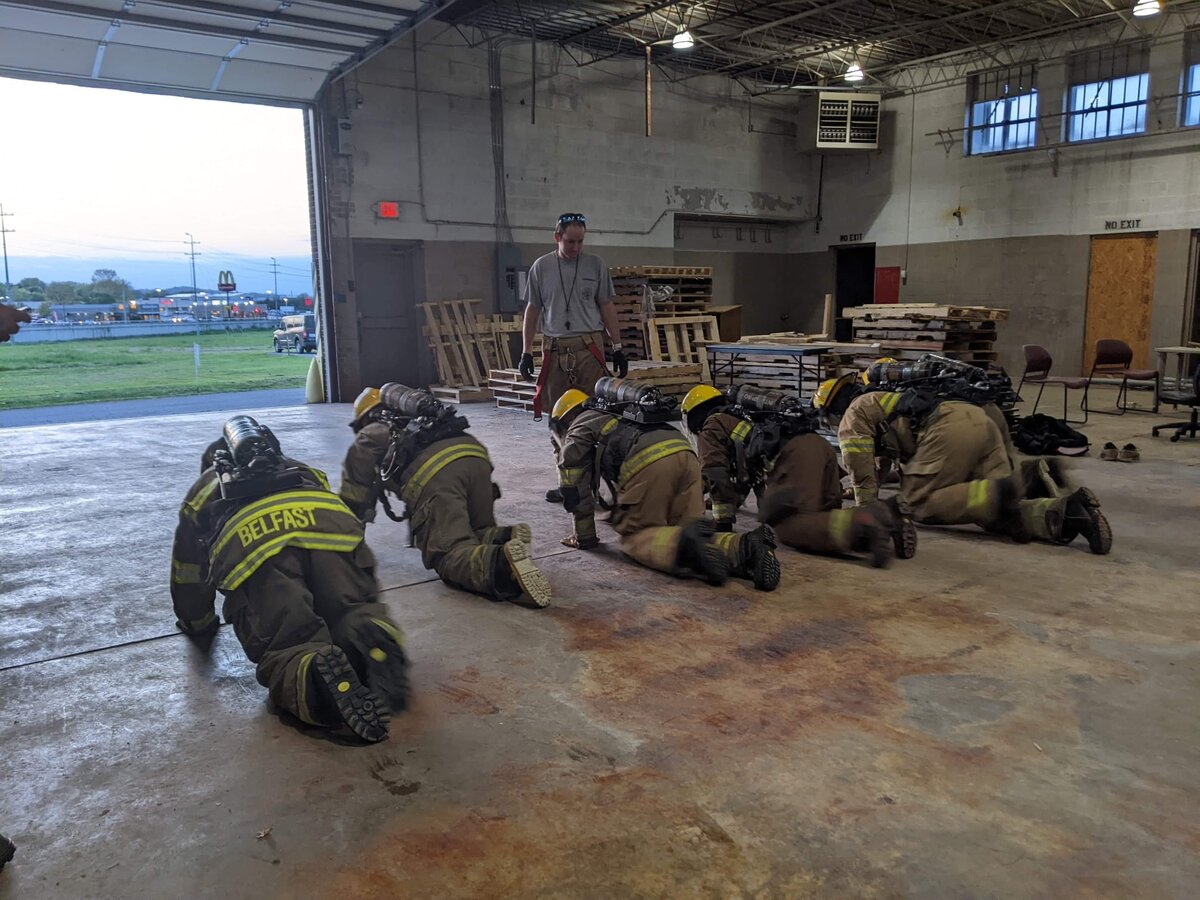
x=520, y=581
x=1128, y=453
x=1109, y=452
x=7, y=850
x=697, y=553
x=554, y=495
x=341, y=690
x=384, y=663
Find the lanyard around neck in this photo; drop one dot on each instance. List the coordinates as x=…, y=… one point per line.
x=563, y=284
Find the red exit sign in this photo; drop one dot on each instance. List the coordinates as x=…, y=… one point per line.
x=388, y=209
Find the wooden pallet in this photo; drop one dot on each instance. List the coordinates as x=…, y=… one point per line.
x=511, y=391
x=660, y=271
x=449, y=394
x=925, y=311
x=465, y=344
x=682, y=339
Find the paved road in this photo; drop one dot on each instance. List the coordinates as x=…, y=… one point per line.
x=160, y=406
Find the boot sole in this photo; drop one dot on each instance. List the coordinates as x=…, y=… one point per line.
x=523, y=533
x=535, y=587
x=1098, y=532
x=764, y=566
x=387, y=667
x=358, y=707
x=904, y=540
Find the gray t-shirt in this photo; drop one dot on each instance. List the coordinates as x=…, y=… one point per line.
x=569, y=293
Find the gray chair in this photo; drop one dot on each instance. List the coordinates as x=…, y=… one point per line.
x=1184, y=394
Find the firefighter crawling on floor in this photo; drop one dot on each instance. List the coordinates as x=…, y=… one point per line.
x=298, y=579
x=625, y=436
x=408, y=444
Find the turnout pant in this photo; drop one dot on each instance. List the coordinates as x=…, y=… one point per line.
x=454, y=526
x=807, y=481
x=655, y=505
x=297, y=603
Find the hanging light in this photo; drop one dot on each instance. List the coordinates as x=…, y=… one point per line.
x=1144, y=8
x=683, y=40
x=854, y=73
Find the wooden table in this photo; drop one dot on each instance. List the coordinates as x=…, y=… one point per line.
x=1181, y=355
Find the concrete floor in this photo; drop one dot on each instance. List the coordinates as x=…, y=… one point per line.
x=985, y=720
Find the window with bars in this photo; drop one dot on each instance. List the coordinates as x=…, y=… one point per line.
x=1108, y=93
x=1191, y=79
x=1002, y=110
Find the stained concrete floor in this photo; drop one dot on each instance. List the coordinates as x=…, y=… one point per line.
x=984, y=720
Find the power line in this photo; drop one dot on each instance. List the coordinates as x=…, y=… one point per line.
x=4, y=232
x=191, y=242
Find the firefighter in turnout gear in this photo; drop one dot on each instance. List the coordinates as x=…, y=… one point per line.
x=408, y=444
x=956, y=466
x=298, y=579
x=764, y=439
x=624, y=436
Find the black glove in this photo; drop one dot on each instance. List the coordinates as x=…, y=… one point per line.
x=620, y=363
x=204, y=637
x=525, y=367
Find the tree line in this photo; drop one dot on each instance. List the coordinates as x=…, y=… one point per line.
x=106, y=286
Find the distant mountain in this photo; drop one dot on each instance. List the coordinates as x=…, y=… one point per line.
x=251, y=275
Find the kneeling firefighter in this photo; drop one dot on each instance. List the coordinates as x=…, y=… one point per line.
x=299, y=583
x=765, y=441
x=956, y=465
x=625, y=436
x=409, y=444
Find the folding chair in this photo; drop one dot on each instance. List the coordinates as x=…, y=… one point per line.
x=1113, y=358
x=1037, y=371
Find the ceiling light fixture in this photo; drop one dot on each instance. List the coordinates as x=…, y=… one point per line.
x=1144, y=8
x=683, y=40
x=854, y=73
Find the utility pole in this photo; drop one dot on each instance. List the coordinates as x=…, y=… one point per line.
x=275, y=272
x=191, y=242
x=4, y=232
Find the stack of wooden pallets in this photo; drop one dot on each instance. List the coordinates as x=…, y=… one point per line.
x=513, y=392
x=465, y=347
x=909, y=330
x=672, y=291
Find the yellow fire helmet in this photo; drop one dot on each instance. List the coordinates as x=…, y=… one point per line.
x=366, y=401
x=568, y=401
x=701, y=393
x=881, y=360
x=830, y=388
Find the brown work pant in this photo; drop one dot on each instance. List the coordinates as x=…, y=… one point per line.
x=299, y=602
x=806, y=478
x=655, y=505
x=571, y=365
x=454, y=526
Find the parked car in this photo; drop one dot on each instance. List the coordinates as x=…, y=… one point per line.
x=297, y=333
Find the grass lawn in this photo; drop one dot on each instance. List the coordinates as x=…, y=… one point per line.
x=131, y=368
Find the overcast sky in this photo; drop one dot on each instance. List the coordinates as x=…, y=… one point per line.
x=94, y=173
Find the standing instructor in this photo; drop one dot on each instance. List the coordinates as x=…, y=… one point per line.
x=571, y=293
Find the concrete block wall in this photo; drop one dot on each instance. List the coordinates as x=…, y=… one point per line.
x=421, y=134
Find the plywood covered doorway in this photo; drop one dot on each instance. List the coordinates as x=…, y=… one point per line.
x=1120, y=294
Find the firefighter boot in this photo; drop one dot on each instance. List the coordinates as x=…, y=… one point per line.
x=904, y=530
x=377, y=653
x=341, y=690
x=1009, y=493
x=517, y=579
x=697, y=553
x=756, y=558
x=7, y=850
x=1080, y=515
x=871, y=531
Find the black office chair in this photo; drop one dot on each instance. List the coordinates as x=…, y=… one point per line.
x=1183, y=395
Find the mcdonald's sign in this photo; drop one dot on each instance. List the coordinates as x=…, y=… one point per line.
x=225, y=282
